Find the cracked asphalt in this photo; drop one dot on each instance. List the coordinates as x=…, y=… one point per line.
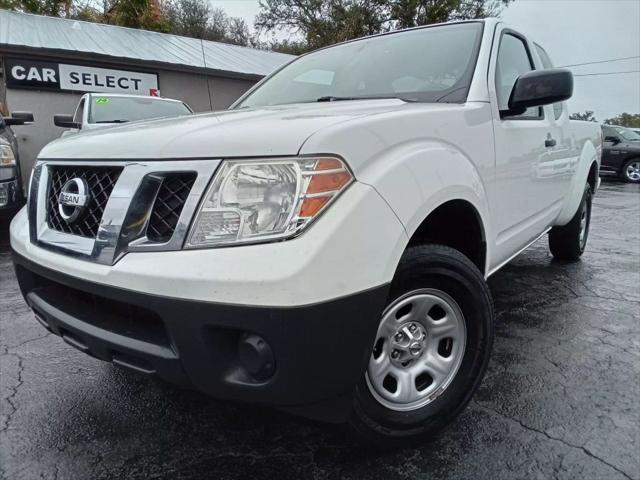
x=561, y=398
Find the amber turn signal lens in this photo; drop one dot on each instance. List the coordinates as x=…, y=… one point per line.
x=328, y=178
x=328, y=182
x=311, y=206
x=329, y=164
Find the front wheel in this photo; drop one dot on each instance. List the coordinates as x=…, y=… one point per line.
x=631, y=171
x=430, y=352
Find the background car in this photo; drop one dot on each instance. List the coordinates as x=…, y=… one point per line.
x=98, y=110
x=621, y=152
x=11, y=191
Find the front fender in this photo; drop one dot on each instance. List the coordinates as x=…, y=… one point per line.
x=417, y=177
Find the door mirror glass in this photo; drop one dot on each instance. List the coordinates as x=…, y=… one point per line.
x=612, y=139
x=540, y=87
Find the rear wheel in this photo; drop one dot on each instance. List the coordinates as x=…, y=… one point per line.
x=631, y=171
x=431, y=349
x=568, y=242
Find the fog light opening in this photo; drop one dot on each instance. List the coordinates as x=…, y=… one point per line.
x=256, y=356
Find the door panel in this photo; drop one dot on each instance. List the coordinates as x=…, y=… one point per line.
x=526, y=196
x=565, y=154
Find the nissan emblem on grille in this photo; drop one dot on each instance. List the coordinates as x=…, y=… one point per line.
x=73, y=199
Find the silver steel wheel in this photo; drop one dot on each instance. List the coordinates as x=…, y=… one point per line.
x=418, y=350
x=632, y=172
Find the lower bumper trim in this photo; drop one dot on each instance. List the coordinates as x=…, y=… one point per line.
x=321, y=350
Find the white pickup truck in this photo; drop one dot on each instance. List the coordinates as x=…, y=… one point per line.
x=321, y=247
x=102, y=110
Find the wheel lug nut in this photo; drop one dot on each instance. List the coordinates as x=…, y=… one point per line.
x=413, y=327
x=395, y=354
x=399, y=337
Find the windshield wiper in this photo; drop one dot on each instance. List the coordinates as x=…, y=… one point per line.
x=331, y=98
x=117, y=120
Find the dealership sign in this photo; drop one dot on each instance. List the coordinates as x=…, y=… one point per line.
x=60, y=76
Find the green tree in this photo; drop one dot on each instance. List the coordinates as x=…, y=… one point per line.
x=325, y=22
x=53, y=8
x=195, y=18
x=237, y=32
x=586, y=116
x=145, y=14
x=189, y=18
x=291, y=47
x=79, y=9
x=625, y=120
x=87, y=11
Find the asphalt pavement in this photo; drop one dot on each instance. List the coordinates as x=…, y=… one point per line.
x=561, y=398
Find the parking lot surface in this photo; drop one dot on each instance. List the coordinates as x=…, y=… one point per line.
x=561, y=398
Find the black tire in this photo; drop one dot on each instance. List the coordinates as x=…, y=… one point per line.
x=565, y=242
x=443, y=268
x=624, y=173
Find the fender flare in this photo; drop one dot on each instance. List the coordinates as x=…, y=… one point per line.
x=588, y=156
x=445, y=174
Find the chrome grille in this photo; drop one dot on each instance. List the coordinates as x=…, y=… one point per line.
x=168, y=205
x=139, y=206
x=100, y=181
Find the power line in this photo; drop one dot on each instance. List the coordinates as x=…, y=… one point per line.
x=601, y=61
x=605, y=73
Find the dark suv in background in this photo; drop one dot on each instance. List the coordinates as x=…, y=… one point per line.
x=621, y=152
x=11, y=191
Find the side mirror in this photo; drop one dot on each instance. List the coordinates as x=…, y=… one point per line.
x=19, y=118
x=65, y=121
x=612, y=139
x=538, y=88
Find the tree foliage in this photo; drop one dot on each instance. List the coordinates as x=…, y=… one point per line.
x=325, y=22
x=315, y=23
x=145, y=14
x=195, y=18
x=586, y=116
x=631, y=120
x=191, y=18
x=54, y=8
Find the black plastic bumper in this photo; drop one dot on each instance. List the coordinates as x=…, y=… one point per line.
x=320, y=350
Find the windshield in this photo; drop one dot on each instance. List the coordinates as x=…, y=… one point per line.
x=129, y=109
x=432, y=64
x=627, y=134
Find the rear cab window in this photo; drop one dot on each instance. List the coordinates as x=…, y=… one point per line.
x=547, y=64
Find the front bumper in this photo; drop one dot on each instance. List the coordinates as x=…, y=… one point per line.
x=320, y=350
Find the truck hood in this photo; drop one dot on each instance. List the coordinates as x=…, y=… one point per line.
x=269, y=131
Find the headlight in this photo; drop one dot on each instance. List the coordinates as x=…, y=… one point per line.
x=252, y=201
x=6, y=156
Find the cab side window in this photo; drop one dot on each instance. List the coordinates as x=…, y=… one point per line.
x=609, y=134
x=513, y=61
x=546, y=63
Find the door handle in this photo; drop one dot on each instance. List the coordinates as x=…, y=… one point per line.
x=550, y=142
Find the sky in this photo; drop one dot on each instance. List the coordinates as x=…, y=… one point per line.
x=572, y=31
